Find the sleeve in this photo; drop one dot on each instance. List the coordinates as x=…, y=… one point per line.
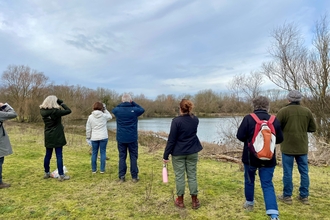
x=10, y=114
x=61, y=112
x=137, y=109
x=312, y=124
x=88, y=129
x=107, y=115
x=171, y=141
x=278, y=130
x=242, y=131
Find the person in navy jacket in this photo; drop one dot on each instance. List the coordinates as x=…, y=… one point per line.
x=127, y=114
x=252, y=163
x=184, y=145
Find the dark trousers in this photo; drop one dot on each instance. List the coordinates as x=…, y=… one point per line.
x=59, y=159
x=132, y=148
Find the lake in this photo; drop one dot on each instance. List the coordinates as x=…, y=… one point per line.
x=211, y=130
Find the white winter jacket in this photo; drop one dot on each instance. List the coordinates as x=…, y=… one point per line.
x=96, y=126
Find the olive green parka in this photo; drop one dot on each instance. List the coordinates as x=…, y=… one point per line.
x=296, y=121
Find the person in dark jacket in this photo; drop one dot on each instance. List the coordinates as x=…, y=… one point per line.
x=6, y=113
x=126, y=114
x=184, y=145
x=296, y=121
x=52, y=112
x=252, y=163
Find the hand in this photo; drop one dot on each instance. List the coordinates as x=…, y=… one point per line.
x=89, y=142
x=166, y=161
x=59, y=101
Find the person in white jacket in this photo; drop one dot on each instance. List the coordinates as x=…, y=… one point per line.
x=97, y=134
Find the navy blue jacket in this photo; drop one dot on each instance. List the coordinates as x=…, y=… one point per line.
x=183, y=139
x=245, y=134
x=127, y=114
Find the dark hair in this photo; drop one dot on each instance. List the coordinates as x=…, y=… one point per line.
x=98, y=106
x=186, y=106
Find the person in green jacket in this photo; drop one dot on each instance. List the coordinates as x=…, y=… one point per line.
x=52, y=109
x=296, y=122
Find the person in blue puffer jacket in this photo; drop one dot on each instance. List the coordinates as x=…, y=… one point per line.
x=126, y=114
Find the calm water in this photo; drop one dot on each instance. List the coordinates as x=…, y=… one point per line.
x=209, y=130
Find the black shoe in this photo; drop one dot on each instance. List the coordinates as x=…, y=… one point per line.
x=4, y=185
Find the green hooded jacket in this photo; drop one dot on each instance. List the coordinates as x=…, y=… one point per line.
x=296, y=121
x=54, y=130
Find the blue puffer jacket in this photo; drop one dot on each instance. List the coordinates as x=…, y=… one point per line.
x=245, y=134
x=127, y=114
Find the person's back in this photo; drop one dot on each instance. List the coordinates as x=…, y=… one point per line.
x=126, y=114
x=296, y=121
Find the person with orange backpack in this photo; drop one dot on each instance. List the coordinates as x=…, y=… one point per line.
x=260, y=132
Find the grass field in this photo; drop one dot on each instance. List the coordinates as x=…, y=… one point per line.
x=100, y=196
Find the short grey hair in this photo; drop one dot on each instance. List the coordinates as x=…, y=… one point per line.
x=126, y=98
x=260, y=103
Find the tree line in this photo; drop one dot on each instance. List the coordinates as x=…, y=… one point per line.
x=292, y=65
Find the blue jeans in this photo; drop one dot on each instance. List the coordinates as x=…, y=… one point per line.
x=287, y=163
x=2, y=159
x=133, y=155
x=96, y=145
x=266, y=180
x=59, y=159
x=185, y=164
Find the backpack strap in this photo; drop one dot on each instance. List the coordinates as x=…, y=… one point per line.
x=255, y=117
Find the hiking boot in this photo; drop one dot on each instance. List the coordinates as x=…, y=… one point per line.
x=63, y=177
x=303, y=200
x=135, y=180
x=285, y=199
x=248, y=207
x=195, y=202
x=179, y=202
x=47, y=175
x=4, y=185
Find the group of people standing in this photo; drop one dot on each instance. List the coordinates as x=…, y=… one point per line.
x=126, y=114
x=292, y=123
x=52, y=109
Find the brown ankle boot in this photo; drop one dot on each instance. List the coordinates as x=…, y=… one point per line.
x=179, y=202
x=195, y=202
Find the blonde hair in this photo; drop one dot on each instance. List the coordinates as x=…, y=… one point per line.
x=50, y=102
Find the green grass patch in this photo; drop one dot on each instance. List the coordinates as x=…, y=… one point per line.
x=100, y=196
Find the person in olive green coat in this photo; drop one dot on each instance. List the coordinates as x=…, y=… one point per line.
x=296, y=121
x=52, y=109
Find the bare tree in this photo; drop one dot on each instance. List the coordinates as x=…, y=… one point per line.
x=289, y=58
x=293, y=66
x=316, y=75
x=246, y=87
x=24, y=87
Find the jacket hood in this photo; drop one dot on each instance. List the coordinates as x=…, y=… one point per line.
x=97, y=113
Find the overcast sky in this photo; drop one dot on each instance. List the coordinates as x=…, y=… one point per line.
x=148, y=47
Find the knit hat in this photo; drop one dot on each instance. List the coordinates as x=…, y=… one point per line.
x=294, y=96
